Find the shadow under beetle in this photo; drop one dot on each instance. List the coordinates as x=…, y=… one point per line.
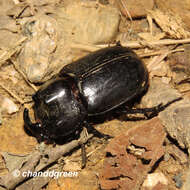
x=91, y=86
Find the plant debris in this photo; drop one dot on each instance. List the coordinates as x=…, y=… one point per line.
x=132, y=155
x=38, y=38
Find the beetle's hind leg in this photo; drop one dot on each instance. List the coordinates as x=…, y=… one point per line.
x=149, y=112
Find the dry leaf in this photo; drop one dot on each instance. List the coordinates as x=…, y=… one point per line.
x=131, y=156
x=171, y=24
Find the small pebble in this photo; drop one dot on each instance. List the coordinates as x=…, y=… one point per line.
x=178, y=180
x=41, y=147
x=166, y=80
x=7, y=105
x=166, y=157
x=153, y=179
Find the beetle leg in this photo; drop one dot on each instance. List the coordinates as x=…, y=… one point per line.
x=83, y=154
x=96, y=132
x=150, y=112
x=83, y=135
x=34, y=128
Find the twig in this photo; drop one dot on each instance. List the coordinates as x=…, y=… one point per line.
x=11, y=179
x=38, y=161
x=131, y=44
x=10, y=52
x=125, y=7
x=159, y=52
x=157, y=60
x=92, y=152
x=149, y=19
x=162, y=55
x=12, y=94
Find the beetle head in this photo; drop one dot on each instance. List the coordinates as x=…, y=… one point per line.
x=57, y=108
x=35, y=128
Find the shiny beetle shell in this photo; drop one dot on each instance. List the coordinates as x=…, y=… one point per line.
x=90, y=86
x=108, y=78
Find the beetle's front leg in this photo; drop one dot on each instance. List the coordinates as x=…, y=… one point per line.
x=34, y=128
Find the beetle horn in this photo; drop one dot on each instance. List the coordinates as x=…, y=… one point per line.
x=34, y=128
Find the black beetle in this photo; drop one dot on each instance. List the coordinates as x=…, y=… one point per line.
x=93, y=85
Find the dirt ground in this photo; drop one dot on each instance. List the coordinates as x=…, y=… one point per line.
x=37, y=38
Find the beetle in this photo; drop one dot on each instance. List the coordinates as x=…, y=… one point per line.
x=91, y=86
